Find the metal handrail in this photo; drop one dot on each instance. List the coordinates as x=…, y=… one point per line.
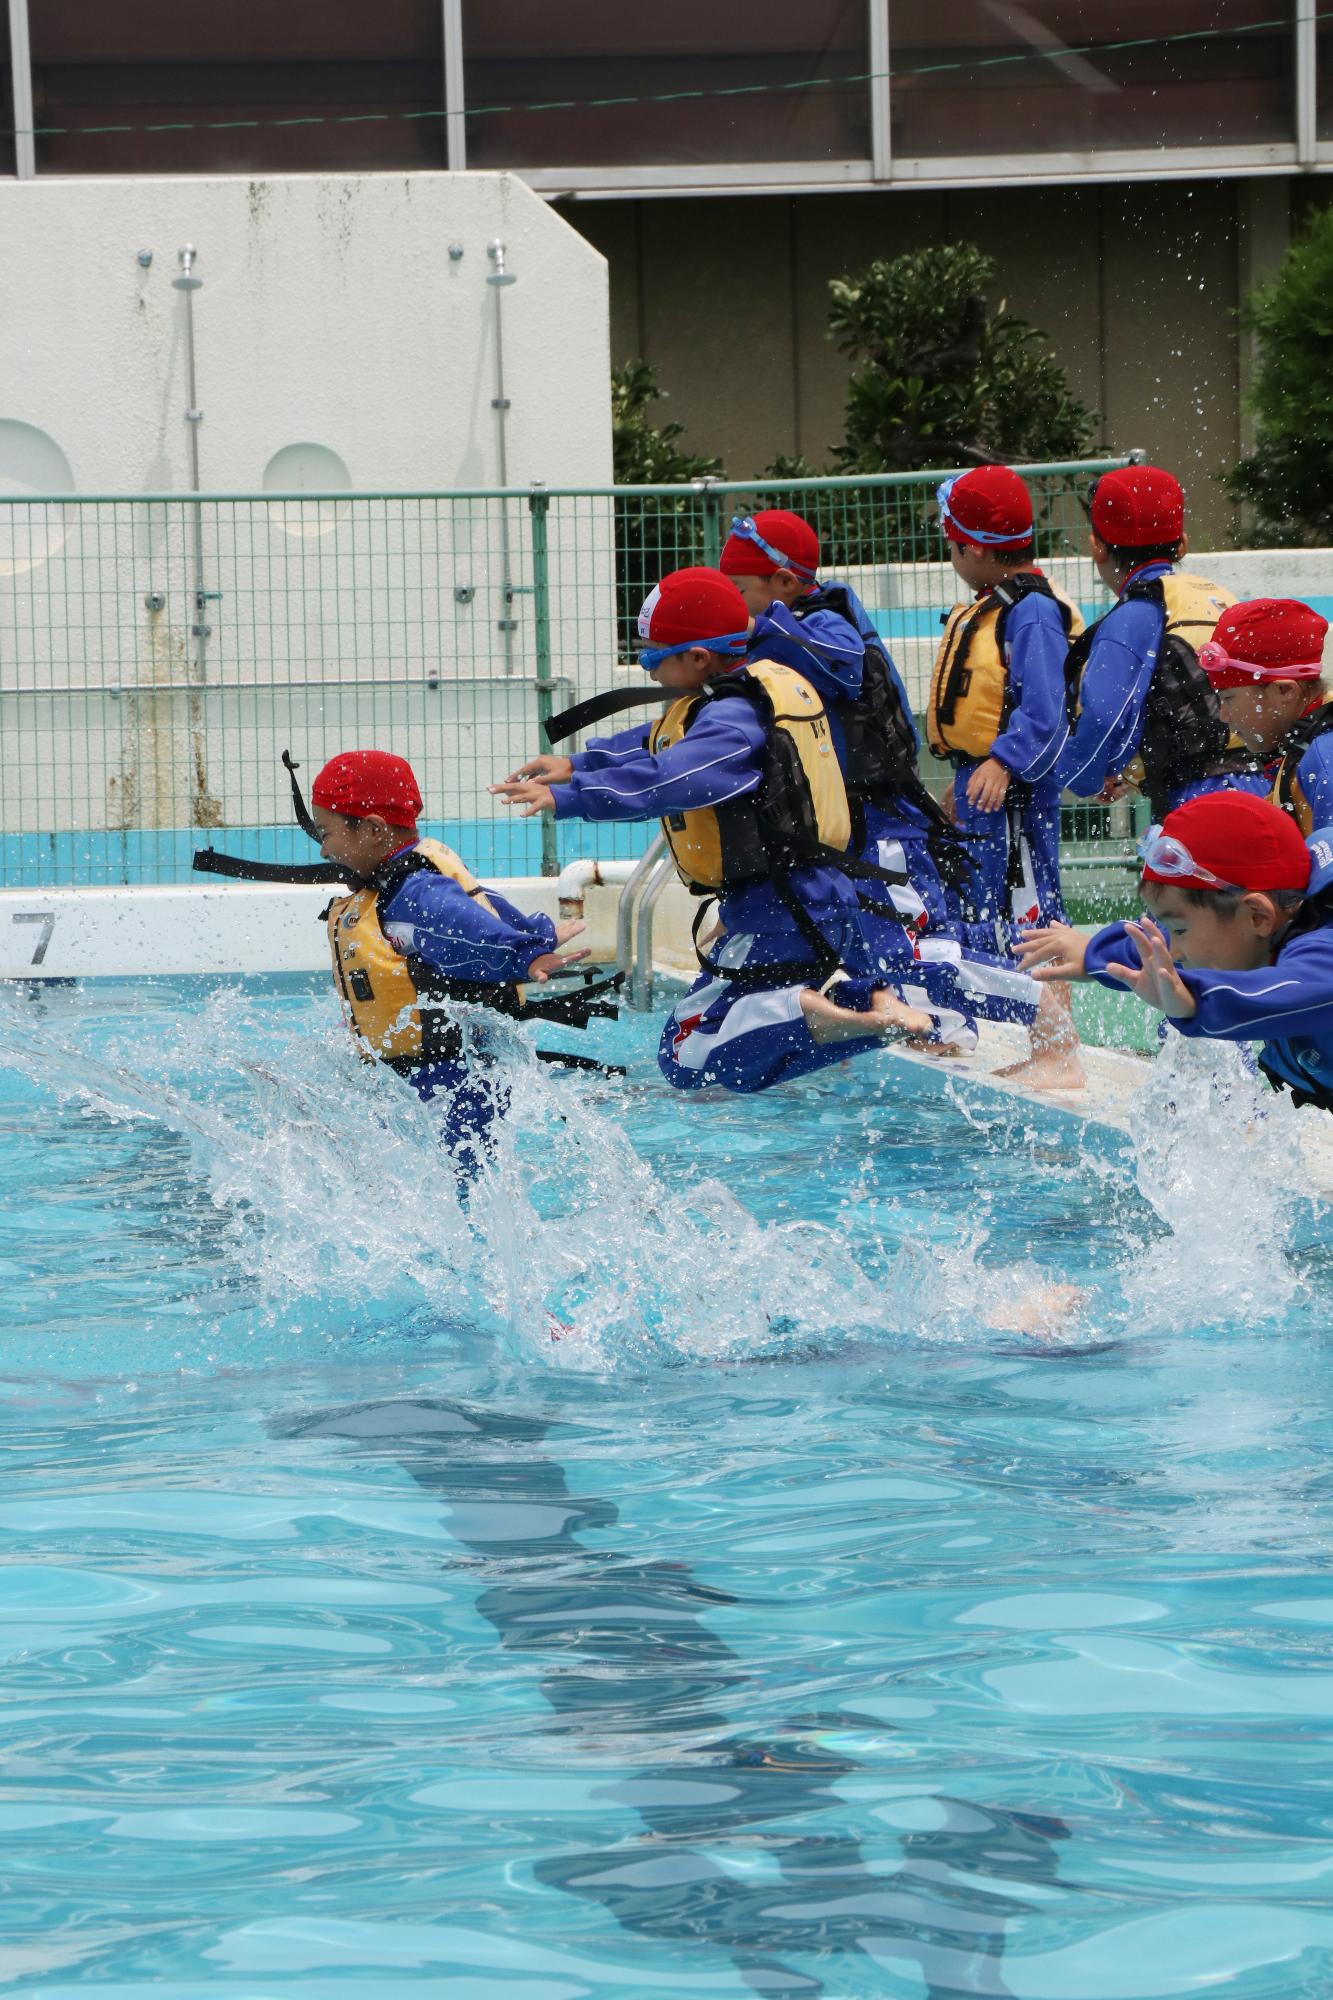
x=835, y=482
x=648, y=860
x=641, y=976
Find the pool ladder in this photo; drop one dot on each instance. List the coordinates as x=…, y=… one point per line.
x=634, y=923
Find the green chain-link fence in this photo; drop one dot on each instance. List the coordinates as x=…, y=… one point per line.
x=158, y=654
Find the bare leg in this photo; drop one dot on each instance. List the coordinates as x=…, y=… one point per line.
x=888, y=1018
x=1054, y=1062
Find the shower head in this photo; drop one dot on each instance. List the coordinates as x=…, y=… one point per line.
x=187, y=282
x=495, y=250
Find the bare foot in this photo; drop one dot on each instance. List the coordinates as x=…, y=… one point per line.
x=1054, y=1063
x=920, y=1046
x=1041, y=1313
x=889, y=1018
x=1047, y=1069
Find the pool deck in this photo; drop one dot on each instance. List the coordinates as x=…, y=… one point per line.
x=1114, y=1080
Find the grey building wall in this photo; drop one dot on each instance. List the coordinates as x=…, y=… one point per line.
x=1137, y=284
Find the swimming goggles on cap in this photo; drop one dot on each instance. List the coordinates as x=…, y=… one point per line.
x=1226, y=672
x=1172, y=860
x=743, y=526
x=733, y=644
x=985, y=535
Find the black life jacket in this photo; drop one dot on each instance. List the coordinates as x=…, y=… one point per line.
x=1184, y=737
x=1286, y=791
x=879, y=745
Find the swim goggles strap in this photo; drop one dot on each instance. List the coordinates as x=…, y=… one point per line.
x=732, y=644
x=986, y=535
x=743, y=526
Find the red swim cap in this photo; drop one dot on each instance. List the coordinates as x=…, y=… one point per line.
x=1268, y=639
x=692, y=607
x=359, y=783
x=1239, y=839
x=1138, y=507
x=786, y=535
x=989, y=508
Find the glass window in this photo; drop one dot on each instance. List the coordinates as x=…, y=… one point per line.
x=800, y=61
x=137, y=63
x=1324, y=77
x=6, y=98
x=995, y=76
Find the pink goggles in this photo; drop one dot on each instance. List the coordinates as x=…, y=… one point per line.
x=1166, y=859
x=1225, y=672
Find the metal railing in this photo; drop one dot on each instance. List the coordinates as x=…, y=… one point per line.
x=158, y=652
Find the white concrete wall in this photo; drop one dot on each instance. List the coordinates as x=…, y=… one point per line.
x=337, y=345
x=251, y=928
x=330, y=313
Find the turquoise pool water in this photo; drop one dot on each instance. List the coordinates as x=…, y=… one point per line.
x=787, y=1625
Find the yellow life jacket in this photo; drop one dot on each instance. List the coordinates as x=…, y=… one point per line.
x=1286, y=790
x=380, y=993
x=969, y=690
x=800, y=806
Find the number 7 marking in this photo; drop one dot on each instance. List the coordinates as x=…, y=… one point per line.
x=47, y=920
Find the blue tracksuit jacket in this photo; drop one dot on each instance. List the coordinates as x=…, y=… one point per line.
x=1288, y=1005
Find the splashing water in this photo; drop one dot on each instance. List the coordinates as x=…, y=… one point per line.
x=1214, y=1153
x=331, y=1197
x=333, y=1180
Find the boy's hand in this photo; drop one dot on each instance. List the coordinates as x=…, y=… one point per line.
x=946, y=802
x=1056, y=951
x=551, y=771
x=548, y=962
x=988, y=786
x=527, y=792
x=1155, y=979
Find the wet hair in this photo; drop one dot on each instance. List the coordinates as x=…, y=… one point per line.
x=1226, y=902
x=1015, y=558
x=1135, y=558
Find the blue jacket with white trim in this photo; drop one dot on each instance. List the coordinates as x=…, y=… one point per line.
x=436, y=920
x=720, y=757
x=1287, y=1006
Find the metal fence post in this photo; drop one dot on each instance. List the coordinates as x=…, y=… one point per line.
x=712, y=502
x=539, y=507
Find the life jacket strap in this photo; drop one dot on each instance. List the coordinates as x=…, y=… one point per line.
x=568, y=723
x=207, y=861
x=303, y=819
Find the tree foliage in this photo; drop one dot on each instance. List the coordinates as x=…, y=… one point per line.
x=655, y=533
x=941, y=378
x=1287, y=478
x=645, y=453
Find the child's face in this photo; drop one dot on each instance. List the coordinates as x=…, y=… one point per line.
x=687, y=671
x=1239, y=939
x=1261, y=716
x=977, y=569
x=758, y=592
x=360, y=845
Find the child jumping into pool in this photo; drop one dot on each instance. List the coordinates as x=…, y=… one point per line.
x=1240, y=942
x=416, y=932
x=821, y=628
x=789, y=985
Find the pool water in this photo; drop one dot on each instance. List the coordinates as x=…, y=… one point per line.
x=674, y=1572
